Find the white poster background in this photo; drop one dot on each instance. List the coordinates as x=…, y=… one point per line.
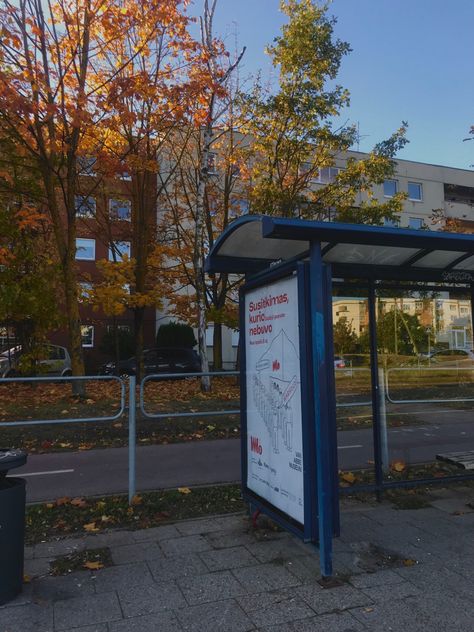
x=273, y=380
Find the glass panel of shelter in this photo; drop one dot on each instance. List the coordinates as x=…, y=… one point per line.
x=352, y=367
x=425, y=361
x=426, y=369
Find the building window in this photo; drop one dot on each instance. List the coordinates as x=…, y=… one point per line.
x=211, y=163
x=87, y=335
x=391, y=223
x=415, y=222
x=120, y=209
x=85, y=206
x=326, y=175
x=125, y=328
x=86, y=165
x=390, y=187
x=415, y=191
x=85, y=249
x=118, y=249
x=235, y=338
x=240, y=206
x=85, y=291
x=210, y=336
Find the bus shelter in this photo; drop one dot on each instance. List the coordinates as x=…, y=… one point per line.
x=288, y=398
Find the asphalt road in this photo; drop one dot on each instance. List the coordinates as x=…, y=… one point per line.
x=98, y=472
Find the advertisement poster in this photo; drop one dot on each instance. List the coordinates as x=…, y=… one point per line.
x=274, y=428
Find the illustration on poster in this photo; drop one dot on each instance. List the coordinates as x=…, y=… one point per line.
x=274, y=385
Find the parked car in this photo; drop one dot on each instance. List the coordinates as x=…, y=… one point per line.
x=339, y=362
x=54, y=361
x=159, y=360
x=451, y=357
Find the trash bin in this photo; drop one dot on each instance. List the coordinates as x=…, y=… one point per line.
x=12, y=525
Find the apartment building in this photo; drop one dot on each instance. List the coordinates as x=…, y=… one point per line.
x=104, y=212
x=434, y=193
x=437, y=196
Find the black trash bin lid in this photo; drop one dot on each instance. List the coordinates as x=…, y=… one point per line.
x=11, y=458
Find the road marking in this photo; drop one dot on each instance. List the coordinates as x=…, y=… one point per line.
x=42, y=473
x=347, y=447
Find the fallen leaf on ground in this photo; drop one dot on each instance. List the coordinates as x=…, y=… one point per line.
x=136, y=500
x=398, y=466
x=90, y=527
x=93, y=566
x=348, y=477
x=78, y=502
x=409, y=562
x=62, y=501
x=184, y=490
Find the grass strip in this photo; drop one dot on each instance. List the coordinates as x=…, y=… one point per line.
x=73, y=516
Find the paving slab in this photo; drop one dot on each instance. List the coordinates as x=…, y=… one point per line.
x=210, y=587
x=160, y=622
x=215, y=617
x=184, y=545
x=137, y=552
x=337, y=622
x=150, y=598
x=275, y=607
x=227, y=559
x=27, y=618
x=86, y=611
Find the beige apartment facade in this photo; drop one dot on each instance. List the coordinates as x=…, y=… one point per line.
x=434, y=192
x=435, y=195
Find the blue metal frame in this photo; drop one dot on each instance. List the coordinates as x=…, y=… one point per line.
x=334, y=233
x=325, y=460
x=307, y=531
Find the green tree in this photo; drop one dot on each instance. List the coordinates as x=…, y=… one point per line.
x=292, y=133
x=400, y=333
x=345, y=338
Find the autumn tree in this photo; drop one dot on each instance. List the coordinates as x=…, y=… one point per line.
x=222, y=203
x=29, y=273
x=81, y=78
x=293, y=136
x=201, y=198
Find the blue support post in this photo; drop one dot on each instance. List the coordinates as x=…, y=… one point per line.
x=374, y=370
x=132, y=439
x=323, y=449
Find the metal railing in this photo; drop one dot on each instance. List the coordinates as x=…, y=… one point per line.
x=431, y=400
x=167, y=376
x=72, y=420
x=133, y=405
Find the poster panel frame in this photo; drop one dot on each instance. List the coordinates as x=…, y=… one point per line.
x=308, y=530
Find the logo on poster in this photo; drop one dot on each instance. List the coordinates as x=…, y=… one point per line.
x=255, y=445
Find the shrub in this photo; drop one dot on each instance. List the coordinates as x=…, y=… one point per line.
x=176, y=335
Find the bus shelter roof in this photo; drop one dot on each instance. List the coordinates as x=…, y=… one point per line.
x=253, y=243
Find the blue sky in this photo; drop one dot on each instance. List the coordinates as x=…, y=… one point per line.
x=411, y=60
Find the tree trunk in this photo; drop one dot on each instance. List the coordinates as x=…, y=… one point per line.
x=217, y=347
x=74, y=327
x=198, y=257
x=139, y=321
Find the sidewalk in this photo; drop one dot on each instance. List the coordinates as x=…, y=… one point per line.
x=401, y=570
